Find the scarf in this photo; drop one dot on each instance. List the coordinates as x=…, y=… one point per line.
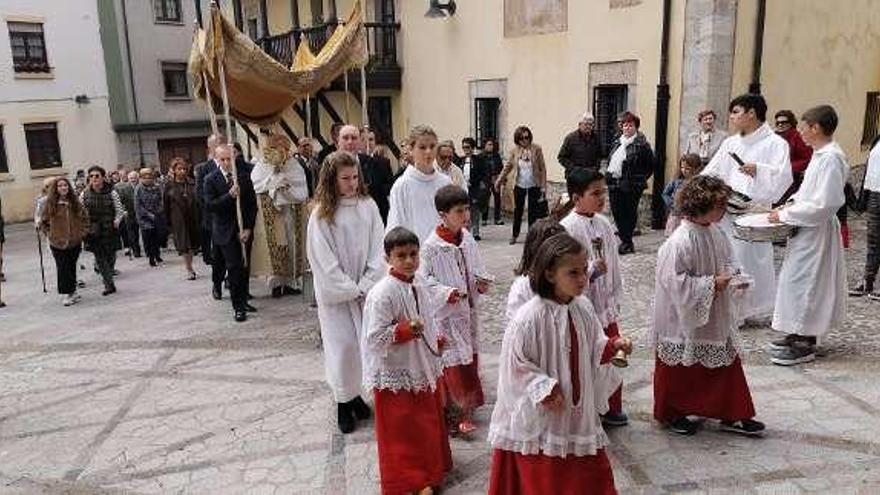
x=615, y=164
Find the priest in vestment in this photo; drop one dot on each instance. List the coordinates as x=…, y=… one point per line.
x=279, y=237
x=811, y=300
x=764, y=177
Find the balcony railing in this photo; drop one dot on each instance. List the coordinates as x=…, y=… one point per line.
x=381, y=43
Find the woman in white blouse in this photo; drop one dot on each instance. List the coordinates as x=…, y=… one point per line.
x=526, y=163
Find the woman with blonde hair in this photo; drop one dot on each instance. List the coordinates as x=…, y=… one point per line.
x=344, y=248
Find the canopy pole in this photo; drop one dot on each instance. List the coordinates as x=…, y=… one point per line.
x=234, y=166
x=308, y=116
x=211, y=115
x=347, y=115
x=364, y=113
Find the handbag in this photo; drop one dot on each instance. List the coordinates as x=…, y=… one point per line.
x=541, y=208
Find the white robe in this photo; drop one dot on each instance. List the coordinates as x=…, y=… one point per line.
x=409, y=366
x=411, y=202
x=693, y=325
x=811, y=299
x=520, y=293
x=773, y=177
x=535, y=356
x=604, y=291
x=447, y=267
x=346, y=260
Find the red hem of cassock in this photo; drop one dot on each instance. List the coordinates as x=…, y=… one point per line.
x=717, y=393
x=463, y=385
x=412, y=439
x=517, y=474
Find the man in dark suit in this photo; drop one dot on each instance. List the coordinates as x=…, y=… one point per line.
x=220, y=194
x=479, y=180
x=201, y=171
x=334, y=137
x=376, y=170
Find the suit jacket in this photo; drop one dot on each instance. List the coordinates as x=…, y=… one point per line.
x=201, y=171
x=480, y=180
x=379, y=178
x=221, y=206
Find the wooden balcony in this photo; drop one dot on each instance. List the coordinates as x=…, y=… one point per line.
x=383, y=70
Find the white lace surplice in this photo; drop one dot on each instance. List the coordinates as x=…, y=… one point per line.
x=409, y=366
x=603, y=291
x=520, y=293
x=691, y=325
x=447, y=266
x=535, y=356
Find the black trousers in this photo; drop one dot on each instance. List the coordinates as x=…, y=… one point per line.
x=872, y=262
x=625, y=209
x=519, y=200
x=131, y=235
x=496, y=202
x=65, y=266
x=105, y=262
x=151, y=243
x=229, y=257
x=207, y=251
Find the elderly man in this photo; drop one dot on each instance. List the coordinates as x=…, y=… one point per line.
x=581, y=147
x=705, y=141
x=221, y=194
x=377, y=173
x=201, y=171
x=305, y=154
x=130, y=231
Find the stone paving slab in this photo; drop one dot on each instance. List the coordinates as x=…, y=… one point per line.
x=157, y=390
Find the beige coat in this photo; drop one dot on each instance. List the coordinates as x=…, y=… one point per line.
x=511, y=168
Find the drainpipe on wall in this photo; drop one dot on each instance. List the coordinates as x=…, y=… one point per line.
x=757, y=57
x=661, y=126
x=134, y=100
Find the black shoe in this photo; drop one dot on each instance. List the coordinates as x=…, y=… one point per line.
x=861, y=290
x=799, y=352
x=277, y=292
x=683, y=426
x=499, y=222
x=512, y=241
x=109, y=290
x=344, y=417
x=477, y=237
x=783, y=343
x=240, y=315
x=152, y=262
x=249, y=308
x=250, y=296
x=626, y=248
x=217, y=293
x=290, y=291
x=748, y=427
x=615, y=419
x=360, y=408
x=159, y=259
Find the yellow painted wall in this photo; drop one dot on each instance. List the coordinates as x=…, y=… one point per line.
x=547, y=86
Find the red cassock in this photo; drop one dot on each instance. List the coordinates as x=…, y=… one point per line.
x=463, y=385
x=718, y=393
x=413, y=442
x=519, y=474
x=615, y=402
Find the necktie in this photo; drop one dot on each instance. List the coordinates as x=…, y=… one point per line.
x=229, y=181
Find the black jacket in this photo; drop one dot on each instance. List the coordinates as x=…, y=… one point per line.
x=201, y=171
x=378, y=178
x=221, y=206
x=580, y=151
x=480, y=180
x=638, y=165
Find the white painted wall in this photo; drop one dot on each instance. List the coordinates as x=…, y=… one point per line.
x=84, y=131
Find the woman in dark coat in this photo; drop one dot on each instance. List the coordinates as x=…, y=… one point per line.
x=182, y=212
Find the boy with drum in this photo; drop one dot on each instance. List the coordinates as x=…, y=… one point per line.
x=812, y=283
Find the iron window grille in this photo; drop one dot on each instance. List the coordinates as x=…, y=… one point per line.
x=28, y=47
x=44, y=151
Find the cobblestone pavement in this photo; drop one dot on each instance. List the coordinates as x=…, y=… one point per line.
x=157, y=390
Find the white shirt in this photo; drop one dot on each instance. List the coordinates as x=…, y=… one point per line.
x=466, y=169
x=872, y=174
x=525, y=176
x=411, y=202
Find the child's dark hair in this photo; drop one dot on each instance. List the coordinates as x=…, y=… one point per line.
x=700, y=195
x=398, y=237
x=539, y=232
x=824, y=115
x=448, y=197
x=750, y=101
x=547, y=259
x=577, y=181
x=692, y=159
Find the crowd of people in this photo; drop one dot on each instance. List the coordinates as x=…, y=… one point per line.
x=399, y=276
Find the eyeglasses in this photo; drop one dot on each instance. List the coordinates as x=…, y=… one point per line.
x=780, y=123
x=92, y=176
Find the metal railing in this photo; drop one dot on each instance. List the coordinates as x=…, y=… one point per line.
x=381, y=42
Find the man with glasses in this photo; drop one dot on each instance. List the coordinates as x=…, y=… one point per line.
x=105, y=214
x=798, y=151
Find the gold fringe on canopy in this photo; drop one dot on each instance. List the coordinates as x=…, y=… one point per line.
x=259, y=88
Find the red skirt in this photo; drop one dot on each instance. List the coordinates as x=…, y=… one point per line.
x=518, y=474
x=413, y=443
x=718, y=393
x=463, y=386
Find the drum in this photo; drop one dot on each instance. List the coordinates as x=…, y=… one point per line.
x=757, y=228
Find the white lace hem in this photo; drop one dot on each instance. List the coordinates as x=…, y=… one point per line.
x=707, y=297
x=689, y=353
x=451, y=358
x=397, y=380
x=547, y=446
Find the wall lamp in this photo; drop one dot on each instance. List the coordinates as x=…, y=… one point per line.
x=437, y=10
x=81, y=99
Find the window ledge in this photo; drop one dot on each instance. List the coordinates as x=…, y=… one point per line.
x=35, y=75
x=177, y=99
x=168, y=22
x=6, y=177
x=48, y=172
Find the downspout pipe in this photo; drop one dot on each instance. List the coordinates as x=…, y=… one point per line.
x=758, y=55
x=134, y=98
x=661, y=126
